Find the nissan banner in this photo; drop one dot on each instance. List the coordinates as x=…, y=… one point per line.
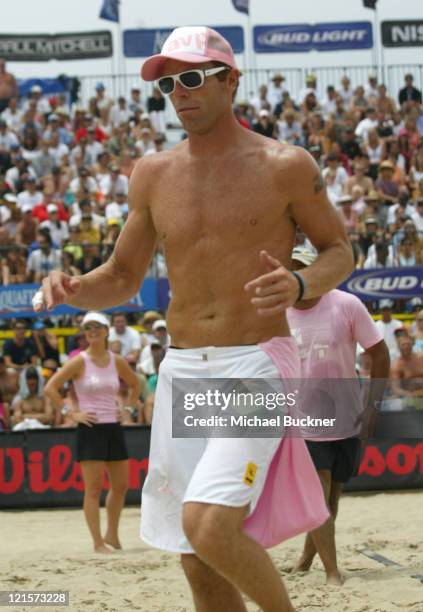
x=301, y=38
x=403, y=33
x=45, y=47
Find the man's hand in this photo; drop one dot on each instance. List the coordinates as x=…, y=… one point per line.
x=275, y=291
x=57, y=288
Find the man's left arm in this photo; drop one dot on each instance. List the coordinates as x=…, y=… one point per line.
x=312, y=211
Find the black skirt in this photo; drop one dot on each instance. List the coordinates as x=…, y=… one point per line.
x=101, y=442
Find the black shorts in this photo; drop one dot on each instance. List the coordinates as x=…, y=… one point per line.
x=102, y=442
x=340, y=457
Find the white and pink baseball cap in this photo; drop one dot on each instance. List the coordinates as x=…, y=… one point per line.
x=194, y=44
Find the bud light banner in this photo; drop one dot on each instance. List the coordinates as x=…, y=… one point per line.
x=15, y=300
x=145, y=42
x=379, y=283
x=301, y=38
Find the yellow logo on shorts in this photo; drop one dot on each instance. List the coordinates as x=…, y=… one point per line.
x=250, y=474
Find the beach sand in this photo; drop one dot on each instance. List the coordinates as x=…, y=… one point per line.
x=50, y=550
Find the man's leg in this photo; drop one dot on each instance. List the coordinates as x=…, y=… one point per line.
x=310, y=550
x=215, y=533
x=335, y=494
x=322, y=539
x=211, y=592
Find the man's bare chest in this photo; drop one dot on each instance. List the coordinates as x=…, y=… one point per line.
x=236, y=204
x=34, y=404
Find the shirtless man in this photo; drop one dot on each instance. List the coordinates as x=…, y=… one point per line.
x=225, y=203
x=8, y=86
x=358, y=178
x=407, y=374
x=33, y=406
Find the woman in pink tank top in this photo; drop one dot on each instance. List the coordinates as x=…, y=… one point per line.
x=100, y=442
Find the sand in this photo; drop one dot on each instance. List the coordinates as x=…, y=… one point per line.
x=50, y=549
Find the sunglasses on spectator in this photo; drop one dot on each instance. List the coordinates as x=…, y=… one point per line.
x=190, y=79
x=90, y=326
x=419, y=319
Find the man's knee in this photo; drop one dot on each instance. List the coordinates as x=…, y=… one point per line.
x=200, y=524
x=210, y=527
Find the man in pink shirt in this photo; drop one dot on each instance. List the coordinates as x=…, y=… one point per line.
x=327, y=330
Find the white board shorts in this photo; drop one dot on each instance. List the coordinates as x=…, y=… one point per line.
x=210, y=470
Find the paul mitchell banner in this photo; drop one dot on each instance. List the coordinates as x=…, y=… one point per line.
x=46, y=47
x=302, y=38
x=404, y=33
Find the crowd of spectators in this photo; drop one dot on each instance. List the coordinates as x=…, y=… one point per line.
x=369, y=146
x=64, y=171
x=64, y=175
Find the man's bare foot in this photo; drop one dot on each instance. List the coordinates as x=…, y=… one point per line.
x=335, y=579
x=103, y=549
x=114, y=542
x=302, y=566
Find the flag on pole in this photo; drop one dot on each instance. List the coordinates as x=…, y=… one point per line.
x=243, y=6
x=110, y=10
x=371, y=4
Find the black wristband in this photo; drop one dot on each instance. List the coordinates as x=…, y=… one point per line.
x=301, y=285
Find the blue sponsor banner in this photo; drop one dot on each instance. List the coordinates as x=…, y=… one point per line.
x=155, y=294
x=301, y=38
x=380, y=283
x=146, y=42
x=15, y=300
x=163, y=293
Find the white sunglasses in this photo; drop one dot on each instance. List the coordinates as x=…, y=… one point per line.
x=190, y=79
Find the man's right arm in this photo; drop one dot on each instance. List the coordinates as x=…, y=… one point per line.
x=119, y=279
